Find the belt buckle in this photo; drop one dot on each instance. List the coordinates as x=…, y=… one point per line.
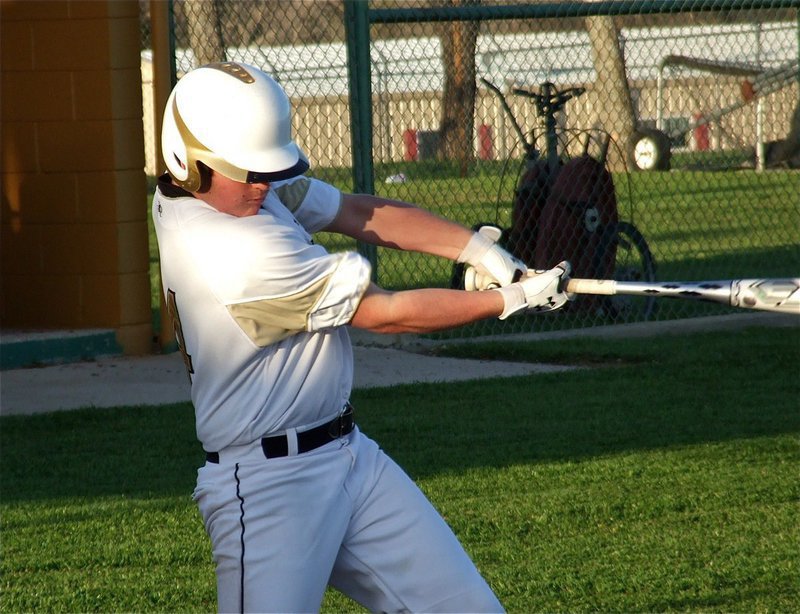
x=343, y=423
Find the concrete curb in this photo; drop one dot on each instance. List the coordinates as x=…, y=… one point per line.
x=162, y=379
x=28, y=349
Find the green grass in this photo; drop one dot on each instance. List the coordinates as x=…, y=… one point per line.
x=664, y=478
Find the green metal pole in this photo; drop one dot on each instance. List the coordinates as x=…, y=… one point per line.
x=173, y=73
x=356, y=23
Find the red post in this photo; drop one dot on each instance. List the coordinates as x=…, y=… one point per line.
x=700, y=134
x=410, y=142
x=485, y=142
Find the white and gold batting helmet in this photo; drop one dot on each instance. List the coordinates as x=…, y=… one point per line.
x=233, y=118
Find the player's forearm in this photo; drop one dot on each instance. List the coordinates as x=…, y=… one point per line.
x=425, y=310
x=399, y=225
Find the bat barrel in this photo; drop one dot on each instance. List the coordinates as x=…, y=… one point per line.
x=781, y=295
x=713, y=291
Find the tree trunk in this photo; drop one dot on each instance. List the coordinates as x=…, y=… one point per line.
x=458, y=98
x=205, y=31
x=613, y=96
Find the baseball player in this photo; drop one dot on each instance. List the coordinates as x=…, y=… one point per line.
x=293, y=496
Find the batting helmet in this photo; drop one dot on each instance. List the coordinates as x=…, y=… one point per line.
x=233, y=118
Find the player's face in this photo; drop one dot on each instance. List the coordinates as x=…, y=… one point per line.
x=233, y=197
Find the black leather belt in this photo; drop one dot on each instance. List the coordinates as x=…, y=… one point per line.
x=278, y=445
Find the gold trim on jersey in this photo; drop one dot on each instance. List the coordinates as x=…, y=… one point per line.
x=268, y=321
x=293, y=194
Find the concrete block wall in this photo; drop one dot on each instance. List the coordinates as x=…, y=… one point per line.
x=73, y=224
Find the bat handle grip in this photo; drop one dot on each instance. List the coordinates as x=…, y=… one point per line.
x=592, y=286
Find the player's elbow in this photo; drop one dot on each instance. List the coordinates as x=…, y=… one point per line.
x=377, y=313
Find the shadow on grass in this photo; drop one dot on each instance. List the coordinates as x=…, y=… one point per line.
x=660, y=393
x=656, y=393
x=134, y=451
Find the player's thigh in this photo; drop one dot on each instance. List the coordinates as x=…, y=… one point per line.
x=399, y=554
x=275, y=529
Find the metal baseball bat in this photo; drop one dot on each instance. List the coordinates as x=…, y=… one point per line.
x=781, y=295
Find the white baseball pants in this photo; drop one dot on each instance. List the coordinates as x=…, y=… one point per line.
x=281, y=529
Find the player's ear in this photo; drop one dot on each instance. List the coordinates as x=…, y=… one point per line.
x=205, y=178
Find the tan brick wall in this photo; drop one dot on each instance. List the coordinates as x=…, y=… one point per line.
x=73, y=225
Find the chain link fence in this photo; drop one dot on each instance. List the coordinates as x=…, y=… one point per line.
x=640, y=145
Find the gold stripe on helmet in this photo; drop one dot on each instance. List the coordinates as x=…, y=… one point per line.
x=234, y=70
x=197, y=152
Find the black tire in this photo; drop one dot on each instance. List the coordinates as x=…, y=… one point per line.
x=650, y=150
x=633, y=261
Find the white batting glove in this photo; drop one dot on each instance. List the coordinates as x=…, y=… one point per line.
x=539, y=292
x=490, y=261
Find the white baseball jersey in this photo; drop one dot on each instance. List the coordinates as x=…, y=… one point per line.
x=258, y=309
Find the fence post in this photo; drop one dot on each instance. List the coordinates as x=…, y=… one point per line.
x=164, y=79
x=356, y=25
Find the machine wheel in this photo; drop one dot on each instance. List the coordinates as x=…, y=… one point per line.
x=650, y=150
x=633, y=261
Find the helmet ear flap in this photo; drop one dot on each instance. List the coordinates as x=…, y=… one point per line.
x=189, y=176
x=192, y=177
x=179, y=158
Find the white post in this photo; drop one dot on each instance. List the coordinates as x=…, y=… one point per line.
x=759, y=109
x=660, y=98
x=760, y=162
